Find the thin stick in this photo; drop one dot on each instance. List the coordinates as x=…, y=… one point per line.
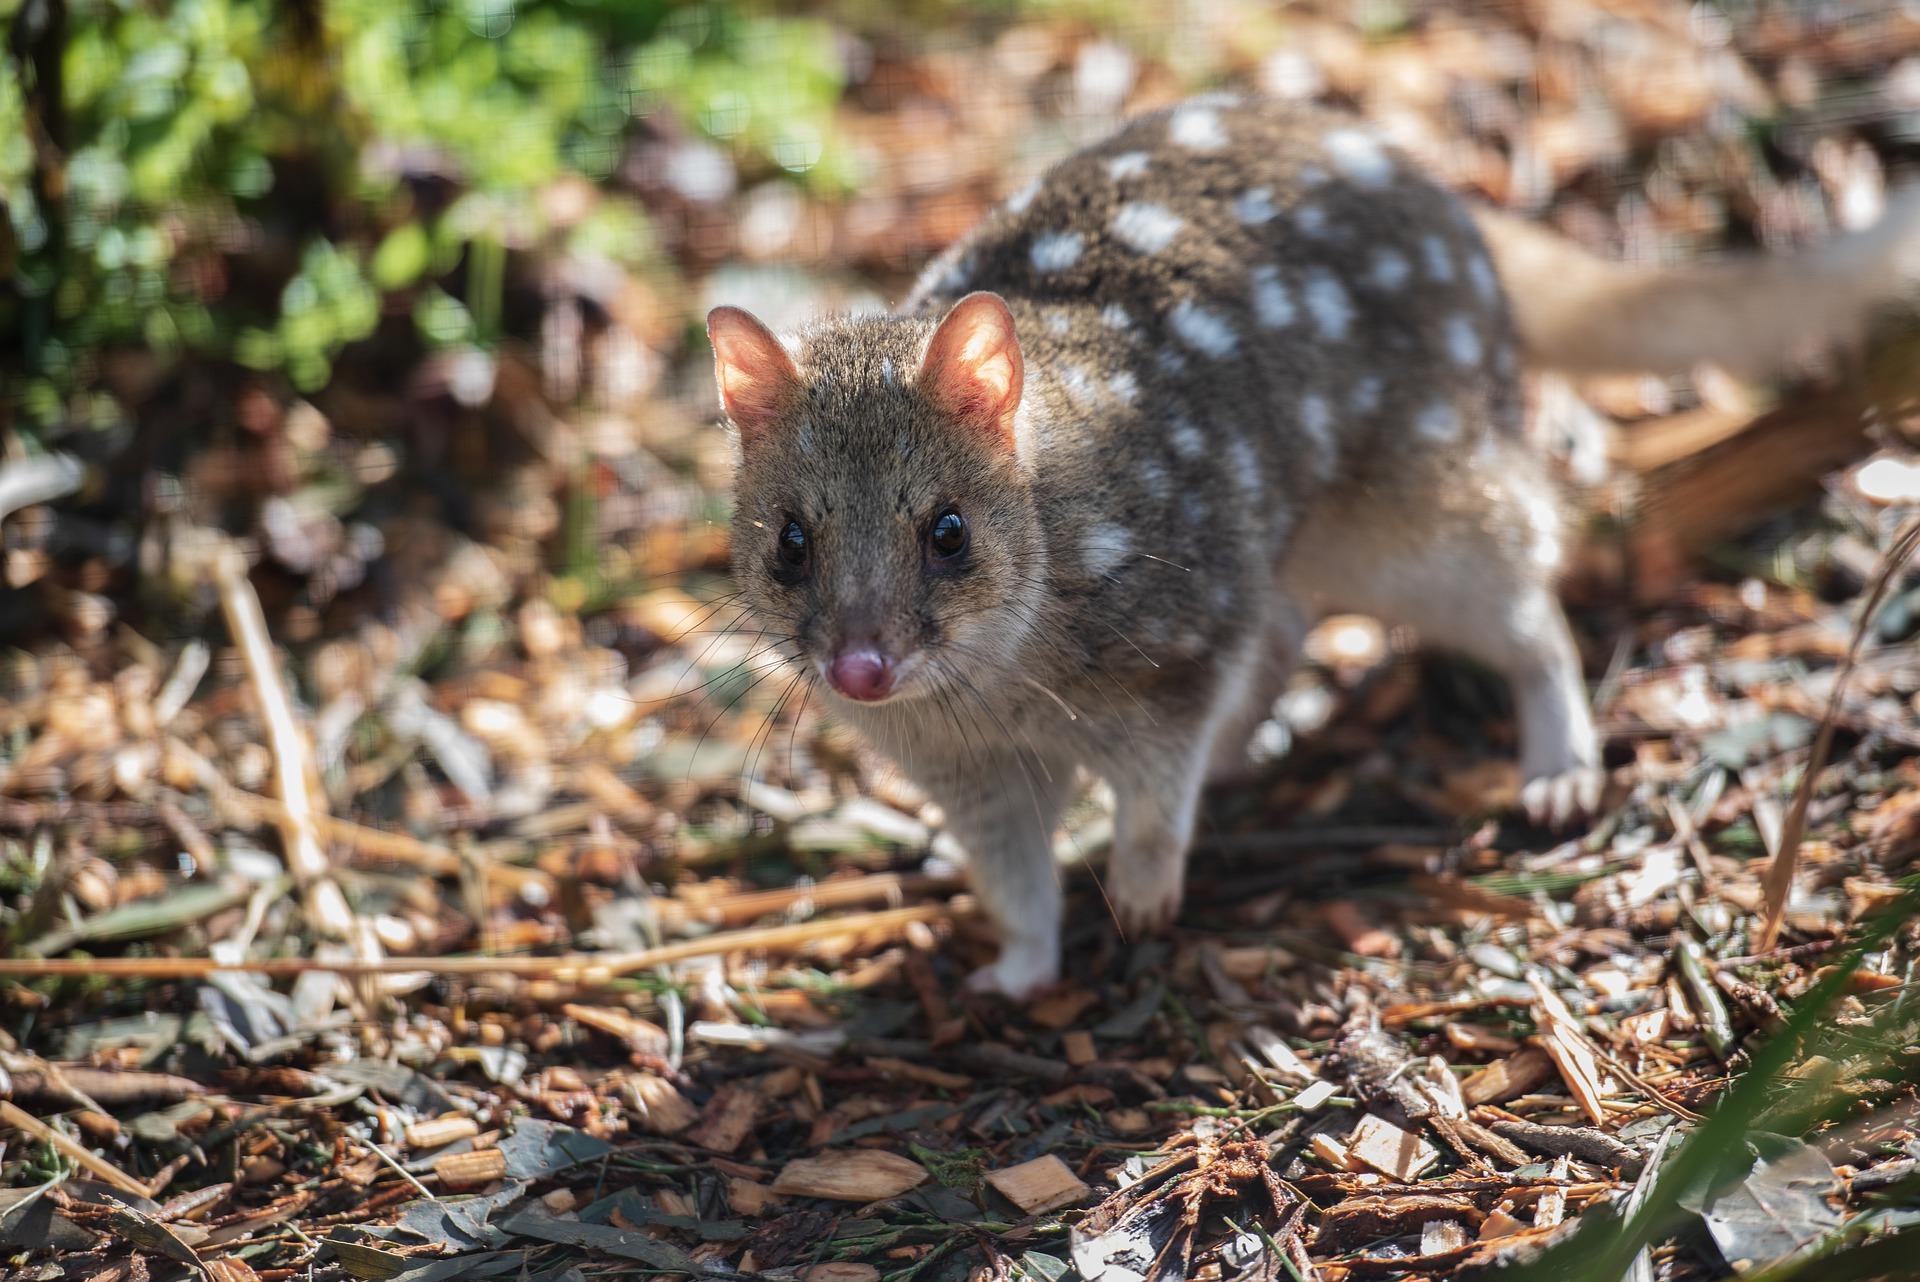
x=1779, y=880
x=577, y=968
x=442, y=861
x=18, y=1118
x=327, y=908
x=844, y=893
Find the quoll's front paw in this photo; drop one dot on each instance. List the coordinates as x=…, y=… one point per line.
x=1146, y=898
x=1019, y=973
x=1564, y=799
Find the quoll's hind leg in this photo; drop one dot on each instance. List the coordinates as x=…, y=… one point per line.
x=1003, y=810
x=1468, y=562
x=1157, y=773
x=1286, y=632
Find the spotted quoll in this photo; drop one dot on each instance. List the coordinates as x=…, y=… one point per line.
x=1072, y=508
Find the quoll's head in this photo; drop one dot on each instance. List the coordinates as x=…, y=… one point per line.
x=884, y=526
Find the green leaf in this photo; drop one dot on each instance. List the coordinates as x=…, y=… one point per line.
x=401, y=257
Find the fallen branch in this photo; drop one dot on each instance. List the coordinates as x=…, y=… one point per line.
x=574, y=968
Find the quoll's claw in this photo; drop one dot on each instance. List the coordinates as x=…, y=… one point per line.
x=1564, y=800
x=1019, y=973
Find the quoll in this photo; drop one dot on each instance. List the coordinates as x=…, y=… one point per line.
x=1073, y=507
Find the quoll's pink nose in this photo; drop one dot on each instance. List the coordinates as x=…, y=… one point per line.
x=862, y=673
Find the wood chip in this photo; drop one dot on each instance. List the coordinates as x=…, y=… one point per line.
x=1315, y=1095
x=857, y=1175
x=745, y=1197
x=1361, y=936
x=1329, y=1150
x=1079, y=1048
x=1570, y=1051
x=1437, y=1236
x=440, y=1131
x=1059, y=1010
x=1379, y=1145
x=1510, y=1078
x=1039, y=1185
x=1551, y=1207
x=1278, y=1055
x=663, y=1109
x=1500, y=1223
x=640, y=1035
x=471, y=1170
x=919, y=1073
x=727, y=1120
x=1474, y=1037
x=841, y=1271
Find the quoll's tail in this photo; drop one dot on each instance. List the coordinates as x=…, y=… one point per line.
x=1753, y=314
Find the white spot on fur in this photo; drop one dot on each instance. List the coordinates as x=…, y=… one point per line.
x=1128, y=164
x=1155, y=481
x=1196, y=127
x=1316, y=420
x=1186, y=438
x=1390, y=269
x=887, y=375
x=1078, y=383
x=1272, y=304
x=1114, y=316
x=1058, y=322
x=1124, y=385
x=1105, y=546
x=1480, y=272
x=1170, y=361
x=1439, y=421
x=1146, y=229
x=1439, y=261
x=1193, y=509
x=1018, y=202
x=1365, y=397
x=1463, y=341
x=1055, y=251
x=1255, y=206
x=1359, y=156
x=1327, y=299
x=1205, y=332
x=1311, y=220
x=1244, y=462
x=804, y=438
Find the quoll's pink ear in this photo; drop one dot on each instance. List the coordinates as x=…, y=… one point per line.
x=973, y=368
x=758, y=383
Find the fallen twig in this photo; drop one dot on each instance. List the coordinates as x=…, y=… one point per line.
x=576, y=968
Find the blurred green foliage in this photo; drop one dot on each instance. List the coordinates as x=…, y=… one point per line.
x=231, y=177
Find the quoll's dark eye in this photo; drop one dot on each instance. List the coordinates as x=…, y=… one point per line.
x=792, y=545
x=947, y=537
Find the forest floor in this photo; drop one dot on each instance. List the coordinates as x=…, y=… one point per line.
x=579, y=946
